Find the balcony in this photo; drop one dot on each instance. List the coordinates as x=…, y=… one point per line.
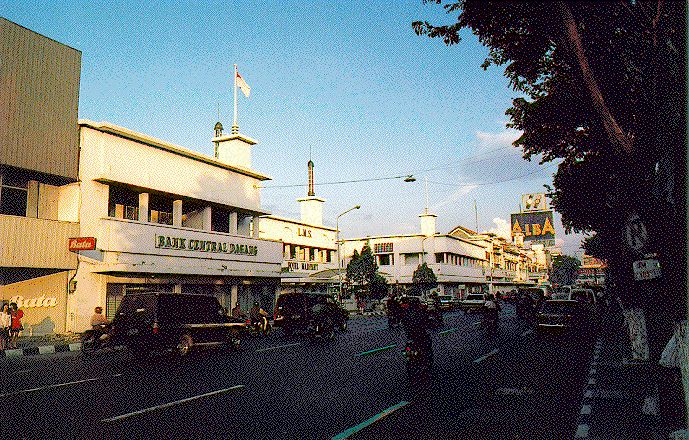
x=446, y=273
x=133, y=246
x=36, y=242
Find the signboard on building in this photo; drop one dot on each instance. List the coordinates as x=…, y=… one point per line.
x=647, y=269
x=534, y=226
x=534, y=202
x=82, y=244
x=382, y=248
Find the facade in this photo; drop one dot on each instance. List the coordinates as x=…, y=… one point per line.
x=458, y=263
x=39, y=193
x=309, y=261
x=169, y=219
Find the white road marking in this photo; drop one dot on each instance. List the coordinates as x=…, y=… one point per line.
x=169, y=404
x=57, y=385
x=21, y=371
x=486, y=356
x=592, y=381
x=585, y=409
x=588, y=394
x=279, y=346
x=592, y=372
x=476, y=323
x=527, y=332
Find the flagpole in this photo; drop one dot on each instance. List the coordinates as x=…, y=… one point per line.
x=235, y=127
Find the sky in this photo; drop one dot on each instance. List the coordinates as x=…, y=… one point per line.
x=348, y=84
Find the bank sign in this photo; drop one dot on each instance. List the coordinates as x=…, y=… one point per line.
x=216, y=247
x=534, y=226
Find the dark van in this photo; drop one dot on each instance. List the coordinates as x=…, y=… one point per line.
x=155, y=321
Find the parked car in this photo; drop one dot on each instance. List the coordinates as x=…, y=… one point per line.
x=446, y=302
x=309, y=312
x=179, y=322
x=558, y=316
x=473, y=301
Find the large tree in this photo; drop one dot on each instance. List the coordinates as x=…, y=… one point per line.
x=362, y=274
x=423, y=280
x=565, y=270
x=600, y=87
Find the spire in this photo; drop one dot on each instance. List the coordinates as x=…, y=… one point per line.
x=312, y=191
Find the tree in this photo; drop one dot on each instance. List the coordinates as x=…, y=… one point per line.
x=423, y=280
x=379, y=287
x=603, y=89
x=361, y=273
x=564, y=271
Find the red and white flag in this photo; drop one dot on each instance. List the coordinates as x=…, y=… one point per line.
x=243, y=85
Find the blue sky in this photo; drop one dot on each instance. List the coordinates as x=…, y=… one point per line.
x=348, y=80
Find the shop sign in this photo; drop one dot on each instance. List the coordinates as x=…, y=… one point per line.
x=294, y=266
x=534, y=226
x=82, y=244
x=302, y=232
x=647, y=269
x=40, y=301
x=220, y=247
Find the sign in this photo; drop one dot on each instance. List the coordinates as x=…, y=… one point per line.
x=178, y=243
x=534, y=226
x=635, y=233
x=534, y=202
x=82, y=244
x=295, y=266
x=382, y=248
x=40, y=301
x=646, y=269
x=302, y=232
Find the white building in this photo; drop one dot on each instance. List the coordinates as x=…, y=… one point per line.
x=169, y=219
x=458, y=263
x=309, y=248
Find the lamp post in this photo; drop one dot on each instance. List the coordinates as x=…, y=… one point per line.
x=339, y=259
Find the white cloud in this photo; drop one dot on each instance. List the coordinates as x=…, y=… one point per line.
x=501, y=228
x=453, y=196
x=491, y=141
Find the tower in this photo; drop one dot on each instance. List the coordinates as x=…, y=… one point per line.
x=311, y=207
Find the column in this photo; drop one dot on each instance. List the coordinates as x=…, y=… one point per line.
x=177, y=213
x=32, y=199
x=233, y=222
x=206, y=219
x=143, y=207
x=255, y=225
x=233, y=295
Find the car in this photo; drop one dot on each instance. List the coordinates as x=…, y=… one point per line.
x=446, y=302
x=309, y=312
x=558, y=316
x=180, y=322
x=473, y=301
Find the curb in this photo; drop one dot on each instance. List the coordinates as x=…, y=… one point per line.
x=43, y=349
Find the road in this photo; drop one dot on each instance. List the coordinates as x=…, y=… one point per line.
x=513, y=386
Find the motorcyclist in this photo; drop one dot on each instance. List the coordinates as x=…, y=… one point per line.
x=99, y=323
x=394, y=310
x=258, y=317
x=237, y=311
x=415, y=323
x=491, y=309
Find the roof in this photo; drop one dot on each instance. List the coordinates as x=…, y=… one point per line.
x=298, y=222
x=116, y=130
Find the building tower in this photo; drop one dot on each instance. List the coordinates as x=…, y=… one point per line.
x=311, y=207
x=218, y=133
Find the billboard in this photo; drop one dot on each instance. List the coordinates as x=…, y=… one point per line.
x=534, y=202
x=534, y=226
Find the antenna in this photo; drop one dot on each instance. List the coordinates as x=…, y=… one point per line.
x=218, y=110
x=476, y=214
x=426, y=184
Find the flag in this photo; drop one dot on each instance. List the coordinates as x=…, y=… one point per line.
x=243, y=85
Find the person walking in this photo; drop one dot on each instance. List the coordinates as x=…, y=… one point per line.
x=5, y=323
x=16, y=326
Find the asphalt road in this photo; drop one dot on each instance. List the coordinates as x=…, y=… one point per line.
x=512, y=386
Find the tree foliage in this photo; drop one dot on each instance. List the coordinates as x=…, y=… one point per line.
x=423, y=280
x=362, y=274
x=564, y=271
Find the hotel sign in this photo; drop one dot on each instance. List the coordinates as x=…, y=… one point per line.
x=219, y=247
x=534, y=226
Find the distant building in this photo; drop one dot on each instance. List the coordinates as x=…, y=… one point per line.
x=39, y=157
x=591, y=271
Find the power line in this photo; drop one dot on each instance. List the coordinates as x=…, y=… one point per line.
x=374, y=179
x=497, y=181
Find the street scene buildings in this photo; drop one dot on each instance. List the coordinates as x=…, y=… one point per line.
x=207, y=299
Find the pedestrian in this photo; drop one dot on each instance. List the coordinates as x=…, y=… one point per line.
x=16, y=326
x=5, y=322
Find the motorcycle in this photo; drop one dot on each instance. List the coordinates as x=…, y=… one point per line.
x=419, y=357
x=95, y=338
x=490, y=321
x=259, y=328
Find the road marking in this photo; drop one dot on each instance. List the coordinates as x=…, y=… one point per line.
x=21, y=371
x=527, y=332
x=588, y=394
x=592, y=381
x=279, y=346
x=57, y=385
x=585, y=409
x=486, y=356
x=582, y=431
x=476, y=323
x=169, y=404
x=353, y=430
x=454, y=329
x=592, y=372
x=376, y=350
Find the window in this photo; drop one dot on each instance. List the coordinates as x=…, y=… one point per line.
x=13, y=193
x=160, y=209
x=329, y=256
x=123, y=203
x=292, y=252
x=312, y=254
x=386, y=259
x=220, y=220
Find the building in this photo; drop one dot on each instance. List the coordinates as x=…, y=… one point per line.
x=309, y=261
x=166, y=218
x=39, y=156
x=458, y=263
x=591, y=271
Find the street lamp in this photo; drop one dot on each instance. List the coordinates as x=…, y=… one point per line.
x=339, y=259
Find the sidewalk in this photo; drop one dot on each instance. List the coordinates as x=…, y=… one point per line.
x=35, y=345
x=621, y=398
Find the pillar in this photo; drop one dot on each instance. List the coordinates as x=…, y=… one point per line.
x=143, y=207
x=177, y=213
